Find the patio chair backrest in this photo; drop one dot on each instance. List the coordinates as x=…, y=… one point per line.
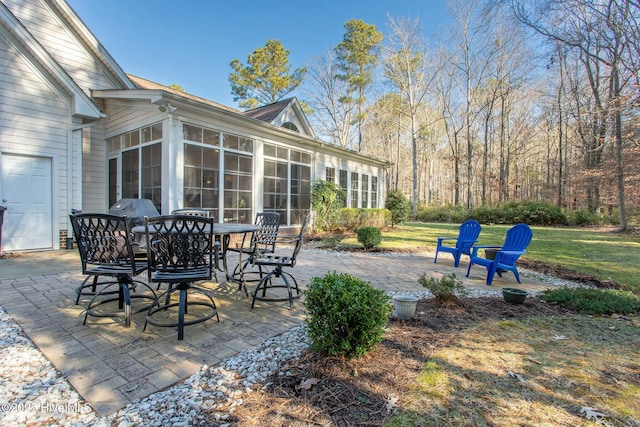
x=468, y=235
x=103, y=240
x=299, y=240
x=518, y=238
x=180, y=243
x=264, y=240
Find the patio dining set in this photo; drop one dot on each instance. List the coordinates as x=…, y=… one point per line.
x=178, y=253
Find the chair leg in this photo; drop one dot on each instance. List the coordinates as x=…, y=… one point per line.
x=491, y=271
x=456, y=259
x=88, y=309
x=436, y=257
x=83, y=285
x=124, y=288
x=182, y=309
x=515, y=273
x=266, y=282
x=289, y=288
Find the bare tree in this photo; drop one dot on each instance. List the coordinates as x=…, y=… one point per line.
x=385, y=137
x=451, y=114
x=405, y=65
x=332, y=116
x=471, y=55
x=603, y=35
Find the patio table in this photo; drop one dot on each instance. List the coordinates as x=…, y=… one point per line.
x=222, y=233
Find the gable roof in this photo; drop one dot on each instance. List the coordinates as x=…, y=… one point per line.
x=268, y=113
x=84, y=34
x=27, y=45
x=285, y=111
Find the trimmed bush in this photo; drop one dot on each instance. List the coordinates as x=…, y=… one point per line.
x=446, y=288
x=399, y=205
x=352, y=219
x=446, y=213
x=370, y=237
x=594, y=301
x=326, y=201
x=346, y=315
x=529, y=212
x=582, y=217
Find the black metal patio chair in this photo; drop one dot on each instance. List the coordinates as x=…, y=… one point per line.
x=179, y=250
x=262, y=242
x=105, y=249
x=278, y=263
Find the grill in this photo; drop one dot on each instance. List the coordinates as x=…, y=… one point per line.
x=135, y=210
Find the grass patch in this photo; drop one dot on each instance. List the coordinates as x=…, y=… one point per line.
x=598, y=252
x=594, y=301
x=540, y=371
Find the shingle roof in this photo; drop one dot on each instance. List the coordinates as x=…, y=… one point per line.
x=149, y=85
x=268, y=113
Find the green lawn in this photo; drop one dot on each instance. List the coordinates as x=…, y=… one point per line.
x=601, y=253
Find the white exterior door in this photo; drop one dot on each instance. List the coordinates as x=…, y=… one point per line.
x=27, y=195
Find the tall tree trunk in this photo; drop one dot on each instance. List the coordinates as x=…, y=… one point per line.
x=485, y=158
x=619, y=146
x=456, y=172
x=560, y=134
x=502, y=183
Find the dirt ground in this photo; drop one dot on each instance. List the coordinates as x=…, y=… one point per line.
x=333, y=391
x=336, y=391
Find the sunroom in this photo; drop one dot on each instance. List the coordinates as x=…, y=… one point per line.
x=182, y=151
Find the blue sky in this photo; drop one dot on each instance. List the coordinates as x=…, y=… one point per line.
x=192, y=42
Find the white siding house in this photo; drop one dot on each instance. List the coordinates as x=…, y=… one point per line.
x=77, y=132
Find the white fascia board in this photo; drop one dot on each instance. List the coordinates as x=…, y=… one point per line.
x=154, y=96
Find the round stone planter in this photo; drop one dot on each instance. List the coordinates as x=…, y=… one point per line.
x=514, y=296
x=405, y=306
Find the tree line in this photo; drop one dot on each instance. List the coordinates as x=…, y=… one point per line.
x=516, y=100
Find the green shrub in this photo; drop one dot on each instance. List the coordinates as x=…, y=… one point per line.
x=326, y=201
x=370, y=237
x=399, y=205
x=446, y=213
x=447, y=288
x=346, y=315
x=582, y=217
x=352, y=219
x=529, y=212
x=594, y=301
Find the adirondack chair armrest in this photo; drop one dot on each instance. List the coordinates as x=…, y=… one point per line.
x=475, y=249
x=468, y=241
x=440, y=239
x=512, y=252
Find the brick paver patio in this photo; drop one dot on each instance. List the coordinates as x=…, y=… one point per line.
x=111, y=366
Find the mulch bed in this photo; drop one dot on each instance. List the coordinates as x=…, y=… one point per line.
x=334, y=391
x=567, y=274
x=337, y=391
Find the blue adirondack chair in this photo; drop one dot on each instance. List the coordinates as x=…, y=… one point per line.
x=468, y=235
x=515, y=244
